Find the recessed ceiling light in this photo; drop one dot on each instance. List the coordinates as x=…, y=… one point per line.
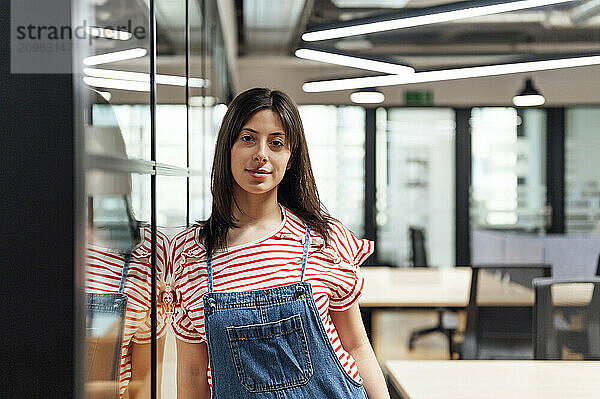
x=368, y=96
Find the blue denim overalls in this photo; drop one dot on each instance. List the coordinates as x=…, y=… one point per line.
x=105, y=321
x=272, y=344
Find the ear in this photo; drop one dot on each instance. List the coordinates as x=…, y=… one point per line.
x=289, y=164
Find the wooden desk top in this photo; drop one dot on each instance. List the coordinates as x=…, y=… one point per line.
x=404, y=287
x=491, y=379
x=449, y=287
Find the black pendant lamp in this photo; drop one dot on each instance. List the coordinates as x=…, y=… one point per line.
x=529, y=96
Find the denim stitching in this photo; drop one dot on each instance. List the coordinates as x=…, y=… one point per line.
x=309, y=368
x=307, y=372
x=237, y=362
x=313, y=307
x=254, y=303
x=266, y=336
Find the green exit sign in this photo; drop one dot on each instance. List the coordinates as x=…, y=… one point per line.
x=418, y=97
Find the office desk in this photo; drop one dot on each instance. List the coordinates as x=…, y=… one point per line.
x=430, y=288
x=491, y=379
x=387, y=287
x=448, y=288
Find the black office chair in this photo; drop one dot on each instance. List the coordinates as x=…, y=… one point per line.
x=418, y=252
x=500, y=332
x=447, y=320
x=574, y=326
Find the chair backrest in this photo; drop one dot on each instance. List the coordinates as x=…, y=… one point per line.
x=571, y=256
x=567, y=315
x=417, y=243
x=503, y=329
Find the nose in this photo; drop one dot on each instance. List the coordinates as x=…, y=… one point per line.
x=260, y=155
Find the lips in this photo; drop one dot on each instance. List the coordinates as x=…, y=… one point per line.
x=258, y=173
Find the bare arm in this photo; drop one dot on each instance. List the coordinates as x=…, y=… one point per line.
x=192, y=366
x=351, y=331
x=139, y=386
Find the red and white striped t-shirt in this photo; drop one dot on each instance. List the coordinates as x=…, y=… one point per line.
x=272, y=261
x=103, y=274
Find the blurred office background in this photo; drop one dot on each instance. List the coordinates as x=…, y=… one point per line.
x=485, y=180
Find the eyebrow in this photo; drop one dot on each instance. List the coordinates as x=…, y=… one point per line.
x=270, y=134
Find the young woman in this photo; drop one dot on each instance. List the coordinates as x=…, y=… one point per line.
x=268, y=285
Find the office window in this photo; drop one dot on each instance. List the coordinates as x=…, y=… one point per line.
x=336, y=143
x=582, y=171
x=508, y=169
x=133, y=120
x=206, y=117
x=171, y=127
x=415, y=182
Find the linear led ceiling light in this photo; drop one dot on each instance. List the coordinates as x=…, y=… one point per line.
x=117, y=84
x=108, y=33
x=436, y=17
x=448, y=74
x=354, y=62
x=115, y=56
x=173, y=80
x=106, y=94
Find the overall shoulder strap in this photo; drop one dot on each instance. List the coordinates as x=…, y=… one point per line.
x=305, y=251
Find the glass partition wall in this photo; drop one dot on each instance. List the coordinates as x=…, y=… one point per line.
x=415, y=183
x=335, y=138
x=152, y=95
x=582, y=171
x=509, y=207
x=509, y=173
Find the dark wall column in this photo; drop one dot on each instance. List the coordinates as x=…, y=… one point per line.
x=463, y=185
x=38, y=208
x=555, y=169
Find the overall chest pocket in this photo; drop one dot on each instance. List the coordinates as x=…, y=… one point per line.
x=271, y=356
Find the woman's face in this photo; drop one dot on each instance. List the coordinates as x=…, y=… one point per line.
x=261, y=153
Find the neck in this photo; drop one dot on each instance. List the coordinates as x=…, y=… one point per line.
x=256, y=209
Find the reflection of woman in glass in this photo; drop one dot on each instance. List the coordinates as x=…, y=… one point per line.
x=269, y=283
x=104, y=268
x=118, y=265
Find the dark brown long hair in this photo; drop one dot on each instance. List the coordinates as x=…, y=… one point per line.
x=297, y=191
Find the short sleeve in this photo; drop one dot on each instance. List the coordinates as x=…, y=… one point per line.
x=348, y=253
